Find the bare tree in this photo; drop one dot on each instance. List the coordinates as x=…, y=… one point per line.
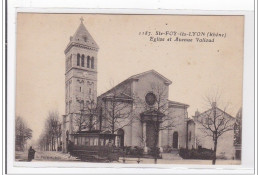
x=118, y=109
x=88, y=117
x=79, y=120
x=91, y=111
x=198, y=141
x=53, y=127
x=141, y=138
x=156, y=105
x=51, y=135
x=215, y=122
x=44, y=141
x=22, y=133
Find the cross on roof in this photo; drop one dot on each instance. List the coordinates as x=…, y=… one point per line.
x=81, y=19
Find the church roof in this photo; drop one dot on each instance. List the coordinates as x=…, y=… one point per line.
x=135, y=77
x=239, y=114
x=82, y=37
x=178, y=104
x=217, y=109
x=120, y=96
x=153, y=72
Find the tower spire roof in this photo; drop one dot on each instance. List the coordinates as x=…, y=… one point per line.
x=82, y=37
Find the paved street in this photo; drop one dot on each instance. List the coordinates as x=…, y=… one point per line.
x=58, y=156
x=45, y=156
x=21, y=156
x=183, y=161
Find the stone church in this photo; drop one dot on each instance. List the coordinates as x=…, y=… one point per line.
x=136, y=112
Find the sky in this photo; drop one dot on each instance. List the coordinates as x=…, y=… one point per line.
x=196, y=69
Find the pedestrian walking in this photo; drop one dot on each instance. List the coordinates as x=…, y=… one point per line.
x=31, y=153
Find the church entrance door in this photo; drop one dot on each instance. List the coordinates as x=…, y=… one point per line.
x=175, y=140
x=150, y=135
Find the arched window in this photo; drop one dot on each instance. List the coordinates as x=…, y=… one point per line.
x=82, y=60
x=88, y=61
x=175, y=140
x=92, y=62
x=78, y=59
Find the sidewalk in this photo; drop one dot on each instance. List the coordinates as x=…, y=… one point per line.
x=53, y=156
x=21, y=156
x=45, y=156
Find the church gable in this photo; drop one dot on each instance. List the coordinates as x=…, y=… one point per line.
x=150, y=82
x=209, y=113
x=151, y=74
x=138, y=85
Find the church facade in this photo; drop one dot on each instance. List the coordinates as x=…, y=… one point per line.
x=142, y=93
x=137, y=111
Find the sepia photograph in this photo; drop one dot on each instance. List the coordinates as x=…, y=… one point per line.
x=129, y=89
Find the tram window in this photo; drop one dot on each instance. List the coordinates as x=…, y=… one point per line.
x=76, y=141
x=107, y=141
x=91, y=141
x=101, y=142
x=95, y=141
x=87, y=142
x=80, y=141
x=83, y=140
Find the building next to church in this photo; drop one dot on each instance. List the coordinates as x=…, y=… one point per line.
x=217, y=121
x=126, y=112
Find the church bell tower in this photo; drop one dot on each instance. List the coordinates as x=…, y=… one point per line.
x=80, y=73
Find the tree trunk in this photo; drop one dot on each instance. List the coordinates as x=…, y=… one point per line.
x=90, y=122
x=100, y=120
x=113, y=128
x=155, y=160
x=215, y=152
x=57, y=145
x=156, y=146
x=52, y=144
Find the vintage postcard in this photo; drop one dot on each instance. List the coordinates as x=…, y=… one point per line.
x=129, y=89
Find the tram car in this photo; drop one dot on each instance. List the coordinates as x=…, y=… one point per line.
x=94, y=146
